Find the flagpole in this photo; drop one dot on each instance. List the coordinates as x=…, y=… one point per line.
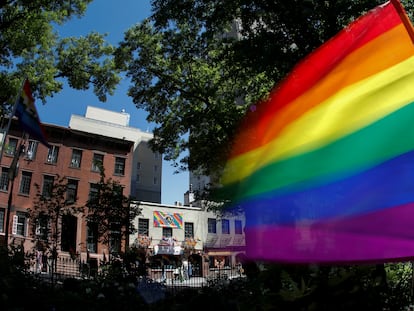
x=12, y=113
x=404, y=18
x=13, y=166
x=12, y=175
x=409, y=27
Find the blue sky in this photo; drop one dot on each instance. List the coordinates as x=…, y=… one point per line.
x=112, y=18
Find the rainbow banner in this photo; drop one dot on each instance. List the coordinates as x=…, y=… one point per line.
x=324, y=169
x=168, y=220
x=26, y=112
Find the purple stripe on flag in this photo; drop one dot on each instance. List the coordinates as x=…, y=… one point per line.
x=384, y=235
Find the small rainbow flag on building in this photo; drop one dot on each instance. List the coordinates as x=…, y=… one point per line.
x=168, y=220
x=28, y=117
x=324, y=169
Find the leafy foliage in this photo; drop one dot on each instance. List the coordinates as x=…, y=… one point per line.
x=195, y=70
x=109, y=210
x=31, y=48
x=48, y=208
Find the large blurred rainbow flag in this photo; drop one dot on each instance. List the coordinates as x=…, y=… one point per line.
x=324, y=169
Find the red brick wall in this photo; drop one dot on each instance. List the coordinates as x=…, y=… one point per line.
x=67, y=139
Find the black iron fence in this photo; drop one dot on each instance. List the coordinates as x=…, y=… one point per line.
x=57, y=270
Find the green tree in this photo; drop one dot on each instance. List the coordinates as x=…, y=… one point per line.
x=50, y=205
x=196, y=80
x=184, y=81
x=30, y=47
x=111, y=213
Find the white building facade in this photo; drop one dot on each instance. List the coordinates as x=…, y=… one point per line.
x=172, y=234
x=147, y=165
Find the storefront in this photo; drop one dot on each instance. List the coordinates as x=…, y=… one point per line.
x=166, y=259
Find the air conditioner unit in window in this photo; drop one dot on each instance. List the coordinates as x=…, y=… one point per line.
x=29, y=155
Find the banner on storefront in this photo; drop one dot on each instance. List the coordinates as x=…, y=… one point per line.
x=168, y=220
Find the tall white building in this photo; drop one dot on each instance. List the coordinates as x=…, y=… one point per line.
x=147, y=165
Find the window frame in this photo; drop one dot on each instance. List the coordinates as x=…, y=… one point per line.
x=143, y=226
x=11, y=147
x=93, y=191
x=52, y=154
x=2, y=219
x=31, y=150
x=167, y=232
x=47, y=185
x=72, y=187
x=4, y=179
x=211, y=223
x=225, y=226
x=20, y=224
x=115, y=237
x=119, y=168
x=97, y=158
x=42, y=227
x=92, y=237
x=25, y=182
x=76, y=158
x=238, y=226
x=188, y=233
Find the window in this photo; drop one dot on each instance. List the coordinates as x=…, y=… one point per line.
x=31, y=150
x=11, y=147
x=4, y=179
x=97, y=162
x=72, y=190
x=155, y=168
x=119, y=166
x=138, y=165
x=52, y=155
x=115, y=237
x=138, y=178
x=188, y=230
x=238, y=227
x=212, y=225
x=93, y=191
x=19, y=224
x=225, y=226
x=92, y=238
x=42, y=227
x=155, y=181
x=167, y=232
x=156, y=155
x=25, y=183
x=47, y=185
x=143, y=226
x=2, y=220
x=75, y=162
x=118, y=189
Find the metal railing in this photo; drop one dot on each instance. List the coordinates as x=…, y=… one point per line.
x=56, y=271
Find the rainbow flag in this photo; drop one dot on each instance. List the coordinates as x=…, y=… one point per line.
x=168, y=220
x=26, y=112
x=324, y=169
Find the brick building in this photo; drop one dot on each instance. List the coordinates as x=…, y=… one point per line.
x=73, y=155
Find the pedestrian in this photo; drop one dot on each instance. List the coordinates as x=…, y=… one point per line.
x=176, y=273
x=190, y=269
x=163, y=275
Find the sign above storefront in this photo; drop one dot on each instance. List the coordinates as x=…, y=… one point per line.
x=168, y=220
x=167, y=250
